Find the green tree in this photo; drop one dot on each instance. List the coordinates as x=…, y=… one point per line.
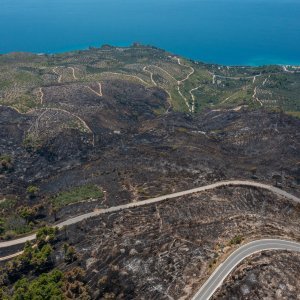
x=41, y=259
x=46, y=235
x=46, y=287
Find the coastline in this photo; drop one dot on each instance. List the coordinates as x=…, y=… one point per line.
x=251, y=62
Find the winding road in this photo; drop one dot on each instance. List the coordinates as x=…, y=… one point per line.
x=190, y=108
x=151, y=75
x=189, y=75
x=59, y=75
x=255, y=96
x=193, y=97
x=219, y=275
x=157, y=200
x=178, y=82
x=73, y=73
x=41, y=96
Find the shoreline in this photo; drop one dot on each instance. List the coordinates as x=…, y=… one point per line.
x=196, y=60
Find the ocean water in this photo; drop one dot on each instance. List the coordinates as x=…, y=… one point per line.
x=233, y=32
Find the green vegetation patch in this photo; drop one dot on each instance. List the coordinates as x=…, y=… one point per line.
x=32, y=275
x=46, y=286
x=76, y=195
x=35, y=259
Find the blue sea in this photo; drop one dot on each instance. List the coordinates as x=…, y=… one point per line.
x=232, y=32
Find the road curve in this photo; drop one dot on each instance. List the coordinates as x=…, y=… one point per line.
x=219, y=275
x=156, y=200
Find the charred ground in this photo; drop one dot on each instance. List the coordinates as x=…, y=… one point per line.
x=270, y=275
x=128, y=124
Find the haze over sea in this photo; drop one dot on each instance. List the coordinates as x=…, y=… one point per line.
x=233, y=32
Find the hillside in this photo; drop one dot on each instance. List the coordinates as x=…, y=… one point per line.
x=31, y=81
x=88, y=130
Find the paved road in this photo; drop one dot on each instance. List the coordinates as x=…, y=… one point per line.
x=156, y=200
x=217, y=278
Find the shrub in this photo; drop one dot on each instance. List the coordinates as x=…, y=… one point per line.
x=74, y=285
x=27, y=213
x=70, y=254
x=236, y=240
x=5, y=163
x=32, y=190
